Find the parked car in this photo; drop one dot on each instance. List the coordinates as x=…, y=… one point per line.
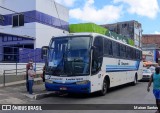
x=147, y=74
x=152, y=68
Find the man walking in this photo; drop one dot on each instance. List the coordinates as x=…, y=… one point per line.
x=155, y=78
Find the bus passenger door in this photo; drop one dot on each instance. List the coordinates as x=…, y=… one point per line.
x=97, y=58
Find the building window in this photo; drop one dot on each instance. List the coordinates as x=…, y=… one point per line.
x=18, y=20
x=19, y=39
x=14, y=38
x=124, y=25
x=21, y=20
x=5, y=39
x=9, y=38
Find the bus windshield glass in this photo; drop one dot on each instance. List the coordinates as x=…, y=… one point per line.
x=69, y=56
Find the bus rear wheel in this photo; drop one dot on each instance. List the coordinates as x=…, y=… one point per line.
x=135, y=80
x=104, y=88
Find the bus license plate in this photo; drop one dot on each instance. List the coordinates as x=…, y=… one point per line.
x=63, y=88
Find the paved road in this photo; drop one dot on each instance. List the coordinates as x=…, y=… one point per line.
x=121, y=95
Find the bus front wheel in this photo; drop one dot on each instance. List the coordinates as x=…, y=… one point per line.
x=104, y=88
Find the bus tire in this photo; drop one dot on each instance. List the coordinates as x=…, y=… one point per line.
x=104, y=88
x=135, y=81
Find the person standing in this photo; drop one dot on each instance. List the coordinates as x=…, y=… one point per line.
x=155, y=78
x=31, y=75
x=43, y=75
x=30, y=63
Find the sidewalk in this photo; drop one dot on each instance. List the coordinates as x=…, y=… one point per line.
x=17, y=94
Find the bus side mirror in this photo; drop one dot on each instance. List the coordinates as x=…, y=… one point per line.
x=44, y=52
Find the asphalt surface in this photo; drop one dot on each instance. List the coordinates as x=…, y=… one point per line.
x=126, y=94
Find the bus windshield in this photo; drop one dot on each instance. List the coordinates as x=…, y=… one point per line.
x=69, y=56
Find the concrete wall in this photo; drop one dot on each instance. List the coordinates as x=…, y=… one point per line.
x=12, y=66
x=44, y=32
x=11, y=76
x=28, y=30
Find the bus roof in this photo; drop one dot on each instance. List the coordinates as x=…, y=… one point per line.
x=97, y=34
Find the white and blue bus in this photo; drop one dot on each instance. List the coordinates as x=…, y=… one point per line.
x=90, y=62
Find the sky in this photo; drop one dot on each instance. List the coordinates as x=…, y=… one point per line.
x=146, y=12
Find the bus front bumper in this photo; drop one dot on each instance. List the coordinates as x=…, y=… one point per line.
x=69, y=88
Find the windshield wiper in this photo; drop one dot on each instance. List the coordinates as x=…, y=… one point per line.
x=61, y=61
x=77, y=59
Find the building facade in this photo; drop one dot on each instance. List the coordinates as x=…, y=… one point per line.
x=130, y=29
x=151, y=47
x=30, y=24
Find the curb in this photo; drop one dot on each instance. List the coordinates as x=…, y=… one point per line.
x=40, y=96
x=44, y=95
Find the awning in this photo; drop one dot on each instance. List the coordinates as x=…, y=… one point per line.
x=149, y=63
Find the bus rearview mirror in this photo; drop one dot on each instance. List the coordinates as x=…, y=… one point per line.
x=44, y=52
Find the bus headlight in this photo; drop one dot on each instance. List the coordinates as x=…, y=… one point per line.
x=48, y=81
x=82, y=82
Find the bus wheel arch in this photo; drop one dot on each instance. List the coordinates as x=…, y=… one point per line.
x=108, y=80
x=105, y=86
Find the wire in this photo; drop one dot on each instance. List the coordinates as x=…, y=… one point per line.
x=57, y=13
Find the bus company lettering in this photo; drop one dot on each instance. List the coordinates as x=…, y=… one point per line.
x=57, y=78
x=123, y=63
x=77, y=79
x=68, y=79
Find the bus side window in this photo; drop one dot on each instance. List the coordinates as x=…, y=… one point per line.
x=97, y=55
x=140, y=55
x=110, y=48
x=94, y=66
x=122, y=51
x=128, y=53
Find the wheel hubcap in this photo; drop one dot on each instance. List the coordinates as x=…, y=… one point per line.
x=104, y=87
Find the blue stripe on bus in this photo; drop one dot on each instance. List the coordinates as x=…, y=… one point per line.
x=121, y=69
x=117, y=68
